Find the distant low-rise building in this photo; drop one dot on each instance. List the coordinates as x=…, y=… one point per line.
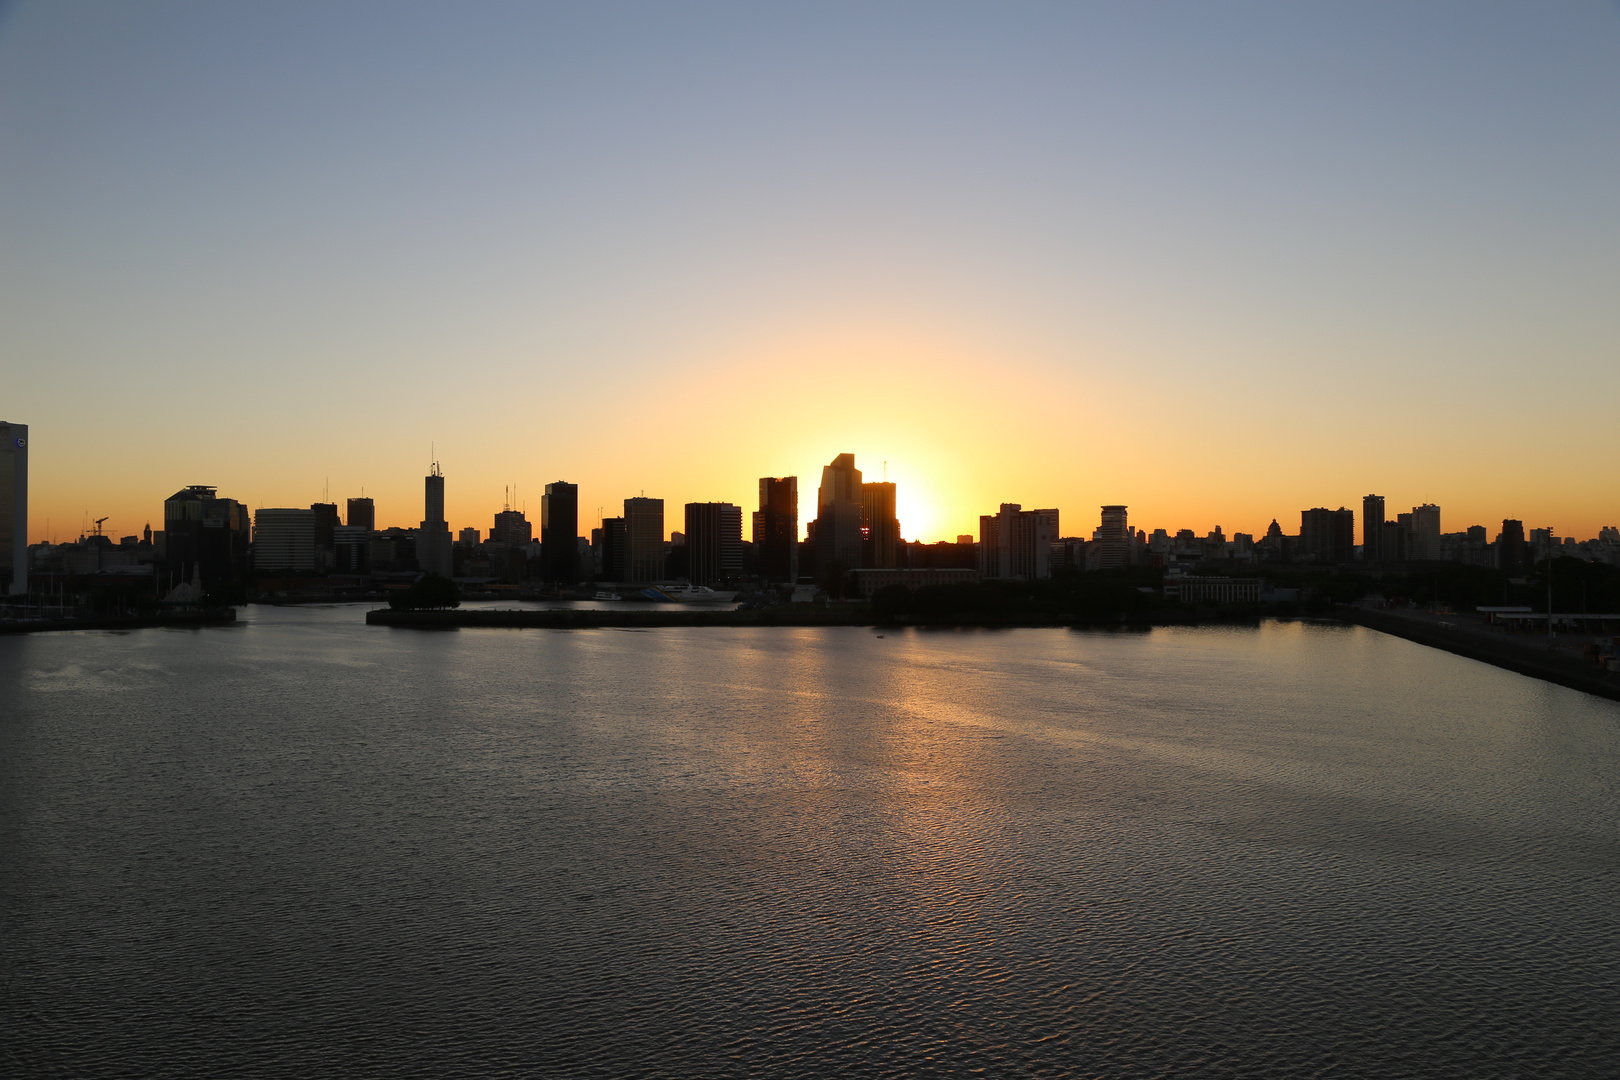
x=868, y=582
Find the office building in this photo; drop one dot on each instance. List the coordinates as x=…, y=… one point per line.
x=284, y=540
x=559, y=532
x=362, y=514
x=837, y=528
x=205, y=534
x=326, y=520
x=1327, y=536
x=869, y=581
x=351, y=549
x=1016, y=543
x=643, y=539
x=776, y=528
x=14, y=506
x=1372, y=527
x=713, y=542
x=1424, y=541
x=433, y=554
x=880, y=529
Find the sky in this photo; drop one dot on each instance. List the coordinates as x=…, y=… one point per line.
x=1220, y=262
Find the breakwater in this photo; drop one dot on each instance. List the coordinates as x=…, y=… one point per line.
x=1522, y=653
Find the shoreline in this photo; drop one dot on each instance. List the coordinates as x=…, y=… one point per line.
x=584, y=619
x=1516, y=654
x=213, y=617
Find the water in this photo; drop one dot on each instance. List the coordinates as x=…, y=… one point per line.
x=303, y=846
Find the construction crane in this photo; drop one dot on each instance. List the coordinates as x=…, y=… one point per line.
x=98, y=525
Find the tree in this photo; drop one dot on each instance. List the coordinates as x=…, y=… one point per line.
x=428, y=591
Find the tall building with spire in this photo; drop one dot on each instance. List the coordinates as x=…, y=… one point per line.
x=433, y=553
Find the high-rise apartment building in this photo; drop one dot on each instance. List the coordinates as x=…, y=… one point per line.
x=559, y=532
x=362, y=514
x=433, y=548
x=1327, y=536
x=1372, y=528
x=880, y=529
x=14, y=506
x=1114, y=538
x=643, y=539
x=326, y=522
x=776, y=528
x=1424, y=541
x=1017, y=543
x=837, y=528
x=1512, y=553
x=713, y=542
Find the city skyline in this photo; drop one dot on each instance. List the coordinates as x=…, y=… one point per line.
x=1188, y=259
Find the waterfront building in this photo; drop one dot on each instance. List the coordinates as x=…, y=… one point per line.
x=1372, y=528
x=362, y=514
x=433, y=553
x=14, y=506
x=776, y=528
x=869, y=581
x=326, y=520
x=284, y=540
x=837, y=528
x=1220, y=590
x=880, y=529
x=1327, y=536
x=1016, y=543
x=205, y=535
x=713, y=542
x=559, y=532
x=643, y=539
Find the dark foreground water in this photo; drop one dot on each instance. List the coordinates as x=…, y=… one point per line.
x=307, y=847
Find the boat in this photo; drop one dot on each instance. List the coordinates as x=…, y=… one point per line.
x=696, y=594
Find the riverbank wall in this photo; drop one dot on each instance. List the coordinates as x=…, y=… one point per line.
x=1522, y=653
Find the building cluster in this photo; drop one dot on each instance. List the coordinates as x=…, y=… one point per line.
x=853, y=546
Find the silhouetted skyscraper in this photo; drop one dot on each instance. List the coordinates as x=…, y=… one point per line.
x=1372, y=528
x=1512, y=553
x=362, y=514
x=1329, y=536
x=205, y=534
x=559, y=532
x=1017, y=543
x=880, y=530
x=1114, y=538
x=713, y=542
x=1425, y=538
x=776, y=528
x=614, y=549
x=14, y=505
x=644, y=539
x=838, y=516
x=433, y=550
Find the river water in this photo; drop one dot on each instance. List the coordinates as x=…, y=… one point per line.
x=305, y=846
